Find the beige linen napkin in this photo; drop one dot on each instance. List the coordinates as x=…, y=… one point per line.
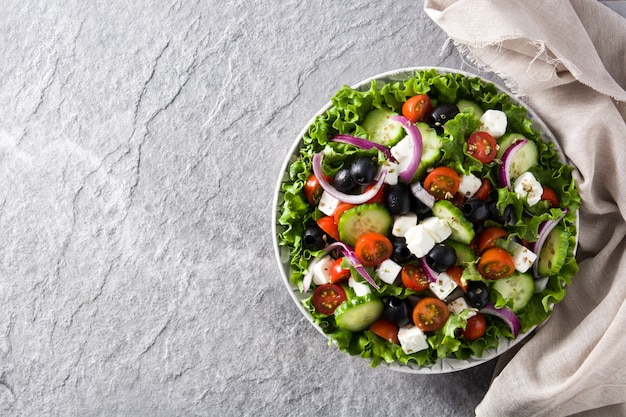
x=568, y=61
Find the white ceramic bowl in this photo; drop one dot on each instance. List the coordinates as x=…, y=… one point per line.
x=282, y=253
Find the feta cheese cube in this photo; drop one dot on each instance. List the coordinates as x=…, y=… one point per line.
x=526, y=185
x=402, y=152
x=321, y=270
x=459, y=305
x=523, y=258
x=437, y=228
x=403, y=223
x=328, y=204
x=393, y=170
x=412, y=339
x=360, y=288
x=388, y=271
x=494, y=122
x=418, y=241
x=443, y=287
x=469, y=185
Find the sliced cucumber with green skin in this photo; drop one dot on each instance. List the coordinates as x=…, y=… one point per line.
x=464, y=254
x=381, y=129
x=553, y=252
x=431, y=147
x=521, y=159
x=462, y=228
x=364, y=218
x=506, y=141
x=468, y=106
x=517, y=288
x=359, y=313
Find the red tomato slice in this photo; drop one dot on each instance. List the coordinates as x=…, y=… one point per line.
x=495, y=263
x=337, y=273
x=385, y=329
x=413, y=277
x=379, y=198
x=482, y=146
x=313, y=190
x=373, y=248
x=442, y=183
x=329, y=226
x=484, y=190
x=417, y=108
x=550, y=196
x=456, y=272
x=489, y=236
x=327, y=297
x=341, y=208
x=476, y=326
x=430, y=314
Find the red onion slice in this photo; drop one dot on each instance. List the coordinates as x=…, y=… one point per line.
x=430, y=273
x=422, y=195
x=416, y=137
x=343, y=197
x=542, y=235
x=363, y=144
x=505, y=169
x=505, y=314
x=351, y=257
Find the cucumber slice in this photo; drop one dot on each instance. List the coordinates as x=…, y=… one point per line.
x=524, y=159
x=470, y=107
x=358, y=313
x=506, y=141
x=431, y=147
x=553, y=253
x=462, y=229
x=464, y=254
x=364, y=218
x=382, y=130
x=518, y=288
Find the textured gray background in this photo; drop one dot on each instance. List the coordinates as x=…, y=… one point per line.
x=140, y=144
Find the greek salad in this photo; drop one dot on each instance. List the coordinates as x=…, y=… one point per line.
x=426, y=218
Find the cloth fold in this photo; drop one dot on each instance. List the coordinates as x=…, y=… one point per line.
x=566, y=59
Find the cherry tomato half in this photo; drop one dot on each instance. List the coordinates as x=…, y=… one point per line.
x=373, y=248
x=385, y=329
x=482, y=146
x=379, y=198
x=475, y=328
x=442, y=182
x=489, y=236
x=430, y=314
x=484, y=190
x=550, y=196
x=337, y=273
x=417, y=108
x=495, y=263
x=329, y=226
x=327, y=297
x=313, y=190
x=413, y=277
x=341, y=208
x=456, y=272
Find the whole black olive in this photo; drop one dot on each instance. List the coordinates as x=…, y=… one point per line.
x=401, y=252
x=314, y=238
x=477, y=294
x=441, y=114
x=476, y=211
x=343, y=181
x=398, y=199
x=504, y=218
x=397, y=310
x=363, y=170
x=441, y=257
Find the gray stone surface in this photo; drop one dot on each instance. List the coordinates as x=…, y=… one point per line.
x=140, y=144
